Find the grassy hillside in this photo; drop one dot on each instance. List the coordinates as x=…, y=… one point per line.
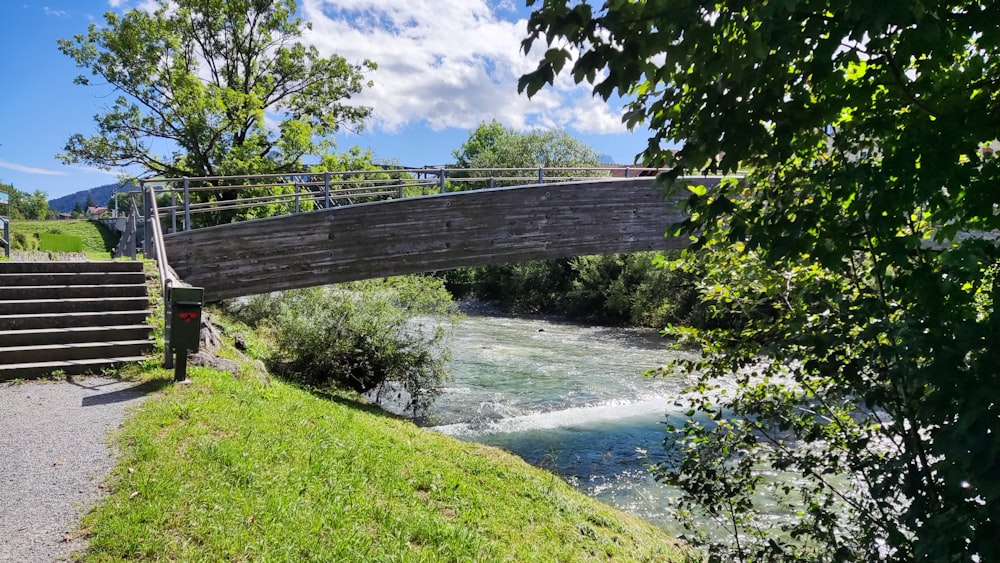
x=98, y=240
x=239, y=470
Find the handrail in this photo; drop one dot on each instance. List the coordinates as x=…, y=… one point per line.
x=167, y=277
x=5, y=239
x=155, y=234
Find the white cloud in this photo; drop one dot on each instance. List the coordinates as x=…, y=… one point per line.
x=450, y=63
x=55, y=13
x=30, y=169
x=94, y=170
x=116, y=3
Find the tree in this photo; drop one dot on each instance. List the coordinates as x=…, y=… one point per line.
x=24, y=205
x=492, y=145
x=859, y=246
x=199, y=79
x=35, y=206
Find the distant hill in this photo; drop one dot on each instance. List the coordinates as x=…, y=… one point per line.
x=101, y=196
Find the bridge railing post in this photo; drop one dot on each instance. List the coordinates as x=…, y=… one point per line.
x=441, y=179
x=147, y=230
x=326, y=190
x=173, y=212
x=541, y=175
x=187, y=204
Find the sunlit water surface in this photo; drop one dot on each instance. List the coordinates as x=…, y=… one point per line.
x=570, y=398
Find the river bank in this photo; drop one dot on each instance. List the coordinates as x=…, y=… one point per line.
x=240, y=468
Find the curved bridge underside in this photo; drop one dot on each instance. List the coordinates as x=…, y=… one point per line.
x=441, y=232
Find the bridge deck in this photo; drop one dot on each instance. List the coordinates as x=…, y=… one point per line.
x=424, y=234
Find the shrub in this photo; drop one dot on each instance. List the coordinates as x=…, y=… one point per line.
x=23, y=241
x=370, y=336
x=639, y=288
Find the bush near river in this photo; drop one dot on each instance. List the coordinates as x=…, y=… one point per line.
x=367, y=336
x=639, y=289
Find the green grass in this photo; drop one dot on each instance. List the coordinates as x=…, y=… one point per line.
x=98, y=240
x=52, y=242
x=234, y=469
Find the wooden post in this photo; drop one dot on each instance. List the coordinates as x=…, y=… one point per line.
x=441, y=179
x=541, y=176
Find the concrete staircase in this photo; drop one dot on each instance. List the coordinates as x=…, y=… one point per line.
x=73, y=317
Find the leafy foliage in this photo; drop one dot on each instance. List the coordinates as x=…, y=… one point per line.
x=365, y=336
x=23, y=205
x=621, y=288
x=197, y=79
x=864, y=240
x=492, y=146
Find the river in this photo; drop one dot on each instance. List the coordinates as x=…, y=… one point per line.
x=569, y=398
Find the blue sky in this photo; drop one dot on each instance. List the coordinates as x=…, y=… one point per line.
x=444, y=67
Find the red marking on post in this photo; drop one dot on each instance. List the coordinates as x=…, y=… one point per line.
x=188, y=317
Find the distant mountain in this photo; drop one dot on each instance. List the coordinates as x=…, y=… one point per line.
x=101, y=196
x=606, y=159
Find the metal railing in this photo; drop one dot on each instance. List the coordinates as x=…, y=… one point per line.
x=5, y=219
x=227, y=199
x=154, y=248
x=5, y=239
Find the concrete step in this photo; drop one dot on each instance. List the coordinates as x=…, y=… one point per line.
x=32, y=321
x=18, y=293
x=70, y=278
x=36, y=306
x=41, y=336
x=72, y=317
x=8, y=267
x=69, y=367
x=73, y=351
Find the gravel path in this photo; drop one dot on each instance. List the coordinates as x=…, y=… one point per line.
x=54, y=456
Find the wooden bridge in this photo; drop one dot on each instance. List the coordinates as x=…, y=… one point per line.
x=324, y=244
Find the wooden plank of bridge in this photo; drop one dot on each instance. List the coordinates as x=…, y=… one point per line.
x=425, y=234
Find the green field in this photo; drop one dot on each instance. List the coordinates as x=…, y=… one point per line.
x=97, y=240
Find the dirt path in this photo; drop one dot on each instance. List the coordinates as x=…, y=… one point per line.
x=54, y=457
